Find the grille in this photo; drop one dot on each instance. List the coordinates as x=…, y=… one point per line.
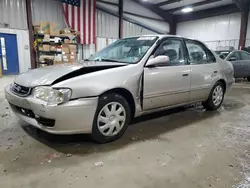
x=20, y=90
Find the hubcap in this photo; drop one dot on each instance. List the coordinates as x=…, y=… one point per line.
x=111, y=119
x=217, y=95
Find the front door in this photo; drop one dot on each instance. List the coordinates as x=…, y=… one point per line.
x=8, y=54
x=203, y=68
x=169, y=84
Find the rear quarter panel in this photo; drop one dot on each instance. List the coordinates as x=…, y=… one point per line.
x=226, y=72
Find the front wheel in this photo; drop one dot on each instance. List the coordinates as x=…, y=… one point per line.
x=111, y=119
x=216, y=97
x=248, y=78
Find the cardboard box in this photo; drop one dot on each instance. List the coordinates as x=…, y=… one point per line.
x=46, y=38
x=53, y=48
x=58, y=57
x=44, y=57
x=73, y=58
x=46, y=47
x=57, y=62
x=36, y=29
x=66, y=31
x=40, y=47
x=65, y=49
x=54, y=28
x=66, y=41
x=42, y=28
x=66, y=58
x=72, y=48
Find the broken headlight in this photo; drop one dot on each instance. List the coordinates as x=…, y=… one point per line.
x=51, y=95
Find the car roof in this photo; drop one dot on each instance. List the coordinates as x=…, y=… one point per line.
x=240, y=51
x=164, y=36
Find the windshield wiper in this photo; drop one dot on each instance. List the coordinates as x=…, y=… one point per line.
x=109, y=60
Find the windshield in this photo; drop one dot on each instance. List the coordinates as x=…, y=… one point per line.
x=129, y=50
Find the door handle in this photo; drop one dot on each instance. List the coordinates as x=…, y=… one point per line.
x=215, y=71
x=186, y=74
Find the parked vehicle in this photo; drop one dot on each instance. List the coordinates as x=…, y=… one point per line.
x=246, y=49
x=129, y=78
x=223, y=53
x=241, y=63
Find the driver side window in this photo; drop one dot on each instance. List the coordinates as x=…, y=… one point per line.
x=173, y=48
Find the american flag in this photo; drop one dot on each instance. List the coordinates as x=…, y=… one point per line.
x=80, y=15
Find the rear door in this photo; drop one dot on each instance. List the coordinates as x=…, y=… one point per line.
x=203, y=70
x=245, y=61
x=236, y=61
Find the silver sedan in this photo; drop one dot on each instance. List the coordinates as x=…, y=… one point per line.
x=129, y=78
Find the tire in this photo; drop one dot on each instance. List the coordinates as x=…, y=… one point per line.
x=248, y=79
x=211, y=103
x=111, y=119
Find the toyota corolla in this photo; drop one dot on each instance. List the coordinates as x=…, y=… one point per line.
x=129, y=78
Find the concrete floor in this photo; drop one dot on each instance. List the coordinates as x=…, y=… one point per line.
x=178, y=148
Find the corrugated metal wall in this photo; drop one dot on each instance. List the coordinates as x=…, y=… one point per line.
x=107, y=25
x=48, y=10
x=215, y=31
x=13, y=12
x=130, y=29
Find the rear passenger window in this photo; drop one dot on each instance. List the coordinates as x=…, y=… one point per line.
x=198, y=54
x=245, y=56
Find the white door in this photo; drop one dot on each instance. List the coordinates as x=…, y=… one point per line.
x=168, y=84
x=203, y=70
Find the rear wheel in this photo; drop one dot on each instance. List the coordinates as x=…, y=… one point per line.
x=248, y=78
x=111, y=119
x=216, y=97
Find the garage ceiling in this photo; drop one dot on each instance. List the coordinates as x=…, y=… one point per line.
x=175, y=6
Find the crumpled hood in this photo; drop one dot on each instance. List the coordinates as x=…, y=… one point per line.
x=48, y=75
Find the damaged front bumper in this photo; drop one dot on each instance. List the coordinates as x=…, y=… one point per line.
x=73, y=117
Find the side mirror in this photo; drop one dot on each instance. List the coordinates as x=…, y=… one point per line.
x=232, y=59
x=159, y=60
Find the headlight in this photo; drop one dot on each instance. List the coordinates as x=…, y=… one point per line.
x=52, y=96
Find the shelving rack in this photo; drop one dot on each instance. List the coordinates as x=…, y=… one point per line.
x=42, y=52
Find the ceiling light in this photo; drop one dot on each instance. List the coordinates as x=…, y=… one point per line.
x=187, y=9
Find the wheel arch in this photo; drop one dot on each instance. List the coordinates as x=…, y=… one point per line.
x=223, y=83
x=126, y=94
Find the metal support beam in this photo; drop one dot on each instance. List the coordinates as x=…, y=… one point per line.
x=243, y=26
x=120, y=19
x=227, y=9
x=141, y=16
x=168, y=2
x=173, y=27
x=108, y=3
x=127, y=19
x=168, y=17
x=31, y=38
x=193, y=5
